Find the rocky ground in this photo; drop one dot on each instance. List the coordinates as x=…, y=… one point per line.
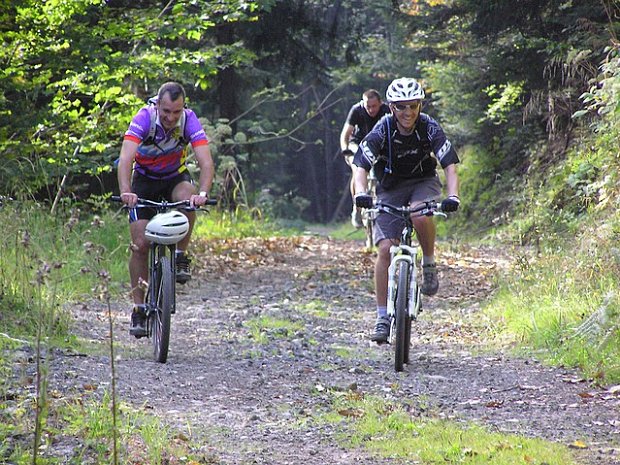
x=249, y=396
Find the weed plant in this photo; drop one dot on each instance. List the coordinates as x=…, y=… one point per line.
x=264, y=328
x=60, y=250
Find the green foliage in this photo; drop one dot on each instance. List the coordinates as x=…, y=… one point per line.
x=604, y=96
x=239, y=224
x=504, y=99
x=392, y=431
x=77, y=71
x=562, y=300
x=54, y=259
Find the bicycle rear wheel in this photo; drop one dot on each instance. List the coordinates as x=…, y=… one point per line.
x=164, y=302
x=402, y=319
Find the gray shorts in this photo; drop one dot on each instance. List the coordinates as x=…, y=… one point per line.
x=406, y=192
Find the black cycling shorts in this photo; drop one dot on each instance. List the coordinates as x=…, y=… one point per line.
x=153, y=189
x=406, y=192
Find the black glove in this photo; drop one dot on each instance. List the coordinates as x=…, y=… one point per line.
x=347, y=153
x=451, y=204
x=363, y=200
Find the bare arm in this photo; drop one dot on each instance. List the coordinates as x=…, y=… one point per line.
x=452, y=180
x=345, y=135
x=125, y=168
x=207, y=171
x=360, y=178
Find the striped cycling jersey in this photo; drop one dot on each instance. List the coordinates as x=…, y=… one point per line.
x=165, y=157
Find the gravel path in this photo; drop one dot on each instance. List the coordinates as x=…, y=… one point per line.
x=250, y=398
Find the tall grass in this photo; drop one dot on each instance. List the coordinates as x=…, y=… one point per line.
x=545, y=300
x=242, y=223
x=563, y=298
x=52, y=258
x=45, y=262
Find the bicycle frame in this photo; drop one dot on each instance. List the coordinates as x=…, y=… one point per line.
x=403, y=305
x=408, y=254
x=160, y=299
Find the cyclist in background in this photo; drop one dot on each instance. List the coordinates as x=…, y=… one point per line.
x=361, y=119
x=404, y=148
x=152, y=166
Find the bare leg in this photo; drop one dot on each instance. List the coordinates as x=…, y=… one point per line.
x=426, y=231
x=381, y=271
x=183, y=191
x=138, y=262
x=352, y=183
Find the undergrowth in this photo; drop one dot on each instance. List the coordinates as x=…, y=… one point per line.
x=561, y=299
x=48, y=262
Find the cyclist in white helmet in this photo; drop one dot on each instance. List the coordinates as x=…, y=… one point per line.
x=404, y=148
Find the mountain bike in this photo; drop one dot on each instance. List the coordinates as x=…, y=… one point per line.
x=368, y=214
x=160, y=299
x=404, y=296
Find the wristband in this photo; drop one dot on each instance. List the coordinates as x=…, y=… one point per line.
x=202, y=194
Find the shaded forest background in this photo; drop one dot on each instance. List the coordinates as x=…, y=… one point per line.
x=516, y=85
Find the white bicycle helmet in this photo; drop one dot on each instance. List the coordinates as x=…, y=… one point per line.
x=403, y=90
x=167, y=228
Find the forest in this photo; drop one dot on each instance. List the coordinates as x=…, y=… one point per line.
x=273, y=353
x=514, y=85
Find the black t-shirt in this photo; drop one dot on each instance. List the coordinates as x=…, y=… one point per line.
x=359, y=118
x=396, y=156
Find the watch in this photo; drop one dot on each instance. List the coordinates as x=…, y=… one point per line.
x=202, y=194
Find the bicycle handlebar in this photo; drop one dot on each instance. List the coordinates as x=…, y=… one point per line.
x=428, y=208
x=146, y=203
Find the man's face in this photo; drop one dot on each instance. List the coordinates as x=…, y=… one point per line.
x=170, y=112
x=406, y=113
x=372, y=105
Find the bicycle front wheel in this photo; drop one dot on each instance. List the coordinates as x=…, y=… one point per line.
x=164, y=302
x=402, y=320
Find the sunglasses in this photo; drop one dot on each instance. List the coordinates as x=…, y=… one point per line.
x=403, y=107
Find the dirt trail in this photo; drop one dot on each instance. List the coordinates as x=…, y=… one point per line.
x=251, y=398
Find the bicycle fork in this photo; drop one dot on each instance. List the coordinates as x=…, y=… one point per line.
x=401, y=253
x=157, y=252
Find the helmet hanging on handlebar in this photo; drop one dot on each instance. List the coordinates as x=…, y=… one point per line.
x=167, y=228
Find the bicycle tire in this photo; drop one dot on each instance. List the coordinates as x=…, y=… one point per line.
x=402, y=320
x=164, y=302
